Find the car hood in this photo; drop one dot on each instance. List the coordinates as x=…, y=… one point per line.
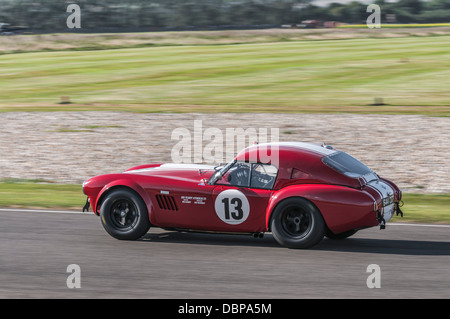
x=179, y=171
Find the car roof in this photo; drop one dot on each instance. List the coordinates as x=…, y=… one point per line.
x=303, y=146
x=284, y=150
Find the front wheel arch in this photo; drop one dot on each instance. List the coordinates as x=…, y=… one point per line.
x=134, y=222
x=105, y=194
x=127, y=185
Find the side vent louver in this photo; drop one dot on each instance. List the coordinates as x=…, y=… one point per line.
x=166, y=202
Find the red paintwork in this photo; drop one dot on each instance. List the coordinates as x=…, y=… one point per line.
x=345, y=203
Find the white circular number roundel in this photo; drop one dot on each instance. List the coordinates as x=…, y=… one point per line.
x=232, y=207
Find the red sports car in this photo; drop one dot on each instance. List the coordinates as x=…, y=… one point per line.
x=307, y=192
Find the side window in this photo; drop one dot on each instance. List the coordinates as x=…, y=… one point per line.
x=254, y=175
x=263, y=176
x=237, y=175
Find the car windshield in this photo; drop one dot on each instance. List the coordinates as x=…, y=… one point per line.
x=219, y=173
x=346, y=164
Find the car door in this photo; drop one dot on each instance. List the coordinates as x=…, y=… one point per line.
x=186, y=206
x=241, y=197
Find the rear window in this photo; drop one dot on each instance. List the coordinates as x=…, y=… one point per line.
x=346, y=164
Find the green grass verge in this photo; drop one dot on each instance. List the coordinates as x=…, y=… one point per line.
x=30, y=194
x=423, y=208
x=410, y=74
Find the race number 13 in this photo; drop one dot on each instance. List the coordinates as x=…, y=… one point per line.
x=232, y=207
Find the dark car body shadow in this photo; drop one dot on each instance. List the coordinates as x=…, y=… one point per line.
x=387, y=246
x=357, y=245
x=199, y=238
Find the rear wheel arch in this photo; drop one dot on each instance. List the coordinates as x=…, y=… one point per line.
x=291, y=197
x=296, y=222
x=341, y=207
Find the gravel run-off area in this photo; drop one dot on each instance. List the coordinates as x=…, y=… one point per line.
x=69, y=147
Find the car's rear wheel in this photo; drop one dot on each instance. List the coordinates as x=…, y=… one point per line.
x=297, y=223
x=124, y=215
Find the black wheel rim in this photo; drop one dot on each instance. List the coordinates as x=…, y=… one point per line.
x=296, y=222
x=124, y=214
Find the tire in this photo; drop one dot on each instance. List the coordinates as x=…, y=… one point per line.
x=124, y=215
x=297, y=223
x=340, y=236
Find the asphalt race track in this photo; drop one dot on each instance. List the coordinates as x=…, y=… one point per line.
x=37, y=247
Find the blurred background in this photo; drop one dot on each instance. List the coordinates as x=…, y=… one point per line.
x=78, y=102
x=49, y=15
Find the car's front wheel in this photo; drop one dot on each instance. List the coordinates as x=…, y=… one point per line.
x=297, y=223
x=124, y=215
